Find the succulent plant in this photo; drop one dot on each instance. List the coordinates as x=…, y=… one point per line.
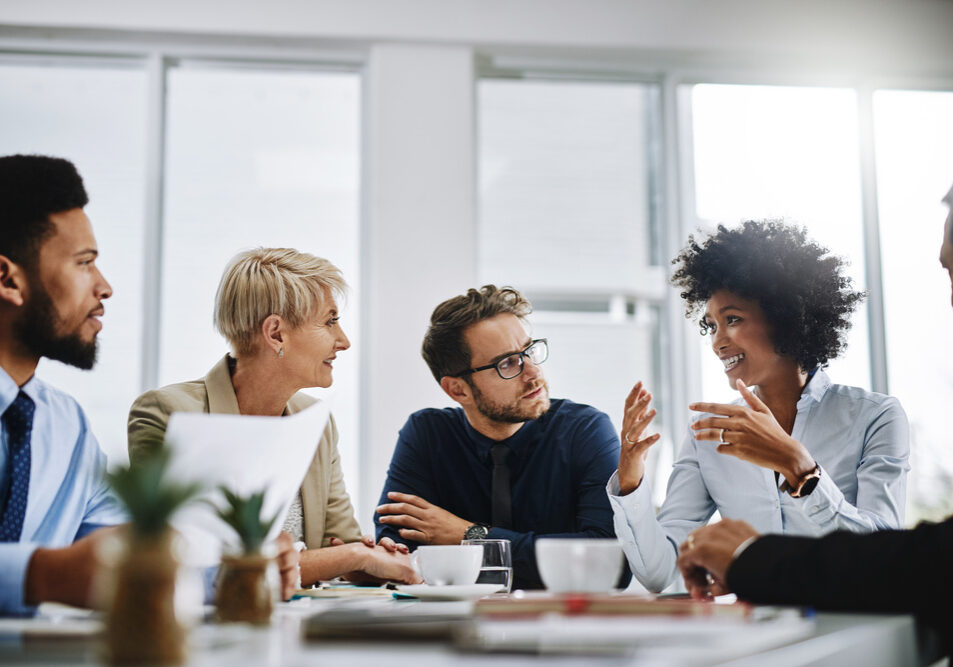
x=243, y=514
x=149, y=497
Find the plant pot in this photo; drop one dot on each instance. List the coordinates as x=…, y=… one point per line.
x=142, y=625
x=245, y=593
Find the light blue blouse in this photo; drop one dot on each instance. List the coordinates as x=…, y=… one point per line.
x=861, y=440
x=68, y=496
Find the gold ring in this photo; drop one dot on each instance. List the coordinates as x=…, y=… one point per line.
x=625, y=436
x=690, y=542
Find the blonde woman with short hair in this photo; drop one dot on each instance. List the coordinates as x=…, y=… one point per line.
x=277, y=308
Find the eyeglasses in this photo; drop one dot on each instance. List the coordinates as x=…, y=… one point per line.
x=511, y=365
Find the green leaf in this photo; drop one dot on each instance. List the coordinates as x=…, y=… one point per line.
x=149, y=497
x=243, y=514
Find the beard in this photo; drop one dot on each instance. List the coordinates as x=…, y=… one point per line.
x=37, y=331
x=508, y=413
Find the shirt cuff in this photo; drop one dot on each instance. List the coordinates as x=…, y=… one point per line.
x=630, y=503
x=821, y=507
x=741, y=547
x=14, y=561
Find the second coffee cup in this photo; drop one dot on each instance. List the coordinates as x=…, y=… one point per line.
x=448, y=564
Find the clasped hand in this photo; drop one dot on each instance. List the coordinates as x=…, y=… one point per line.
x=751, y=433
x=704, y=558
x=422, y=521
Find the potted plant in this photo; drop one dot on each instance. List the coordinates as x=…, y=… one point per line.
x=245, y=593
x=142, y=625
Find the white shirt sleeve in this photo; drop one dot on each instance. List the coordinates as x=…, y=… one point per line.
x=881, y=480
x=651, y=542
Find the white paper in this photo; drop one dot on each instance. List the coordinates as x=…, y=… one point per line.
x=246, y=454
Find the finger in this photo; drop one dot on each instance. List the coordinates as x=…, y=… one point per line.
x=724, y=409
x=647, y=442
x=714, y=423
x=731, y=449
x=750, y=398
x=414, y=535
x=632, y=436
x=711, y=435
x=402, y=548
x=718, y=588
x=388, y=544
x=633, y=395
x=635, y=410
x=400, y=508
x=408, y=498
x=287, y=560
x=335, y=542
x=404, y=520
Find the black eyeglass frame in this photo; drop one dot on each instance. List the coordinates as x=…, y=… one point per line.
x=522, y=354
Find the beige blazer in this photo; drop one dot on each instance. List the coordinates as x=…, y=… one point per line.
x=325, y=504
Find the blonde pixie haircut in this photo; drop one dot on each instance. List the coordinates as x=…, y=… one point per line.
x=271, y=281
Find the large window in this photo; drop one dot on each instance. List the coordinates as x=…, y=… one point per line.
x=770, y=152
x=94, y=115
x=253, y=156
x=566, y=215
x=258, y=158
x=914, y=148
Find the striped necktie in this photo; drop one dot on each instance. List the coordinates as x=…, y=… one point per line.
x=18, y=422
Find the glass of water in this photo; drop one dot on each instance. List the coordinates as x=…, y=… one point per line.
x=497, y=565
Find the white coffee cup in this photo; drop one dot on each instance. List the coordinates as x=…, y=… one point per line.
x=448, y=564
x=579, y=565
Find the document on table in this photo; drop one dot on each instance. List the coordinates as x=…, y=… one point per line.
x=246, y=454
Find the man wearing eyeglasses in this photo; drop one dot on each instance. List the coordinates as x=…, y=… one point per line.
x=509, y=463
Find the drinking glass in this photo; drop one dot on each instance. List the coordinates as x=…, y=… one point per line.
x=497, y=565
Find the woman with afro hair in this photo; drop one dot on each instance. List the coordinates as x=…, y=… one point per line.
x=795, y=453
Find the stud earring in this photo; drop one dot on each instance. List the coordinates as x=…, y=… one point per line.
x=281, y=352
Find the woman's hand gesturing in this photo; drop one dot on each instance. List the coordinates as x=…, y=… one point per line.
x=751, y=433
x=637, y=417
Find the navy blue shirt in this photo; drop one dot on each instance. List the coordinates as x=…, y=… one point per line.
x=558, y=470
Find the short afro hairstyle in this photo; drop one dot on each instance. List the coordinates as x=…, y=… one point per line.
x=32, y=187
x=806, y=298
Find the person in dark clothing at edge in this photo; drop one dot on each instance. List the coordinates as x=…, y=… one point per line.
x=509, y=463
x=898, y=571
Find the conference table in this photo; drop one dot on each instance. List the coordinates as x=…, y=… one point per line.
x=769, y=636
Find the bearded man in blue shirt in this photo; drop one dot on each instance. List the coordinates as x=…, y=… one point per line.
x=52, y=488
x=509, y=463
x=53, y=493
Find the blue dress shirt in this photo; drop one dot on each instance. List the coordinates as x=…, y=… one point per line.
x=861, y=440
x=68, y=496
x=558, y=469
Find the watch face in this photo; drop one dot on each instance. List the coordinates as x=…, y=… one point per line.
x=476, y=532
x=809, y=485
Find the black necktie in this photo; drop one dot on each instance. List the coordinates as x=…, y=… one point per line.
x=500, y=492
x=18, y=421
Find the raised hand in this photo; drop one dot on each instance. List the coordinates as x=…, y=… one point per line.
x=751, y=433
x=637, y=417
x=421, y=521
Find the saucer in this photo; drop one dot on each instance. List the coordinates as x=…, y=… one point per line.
x=451, y=592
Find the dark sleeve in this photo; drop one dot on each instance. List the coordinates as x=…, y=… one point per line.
x=595, y=455
x=900, y=571
x=408, y=473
